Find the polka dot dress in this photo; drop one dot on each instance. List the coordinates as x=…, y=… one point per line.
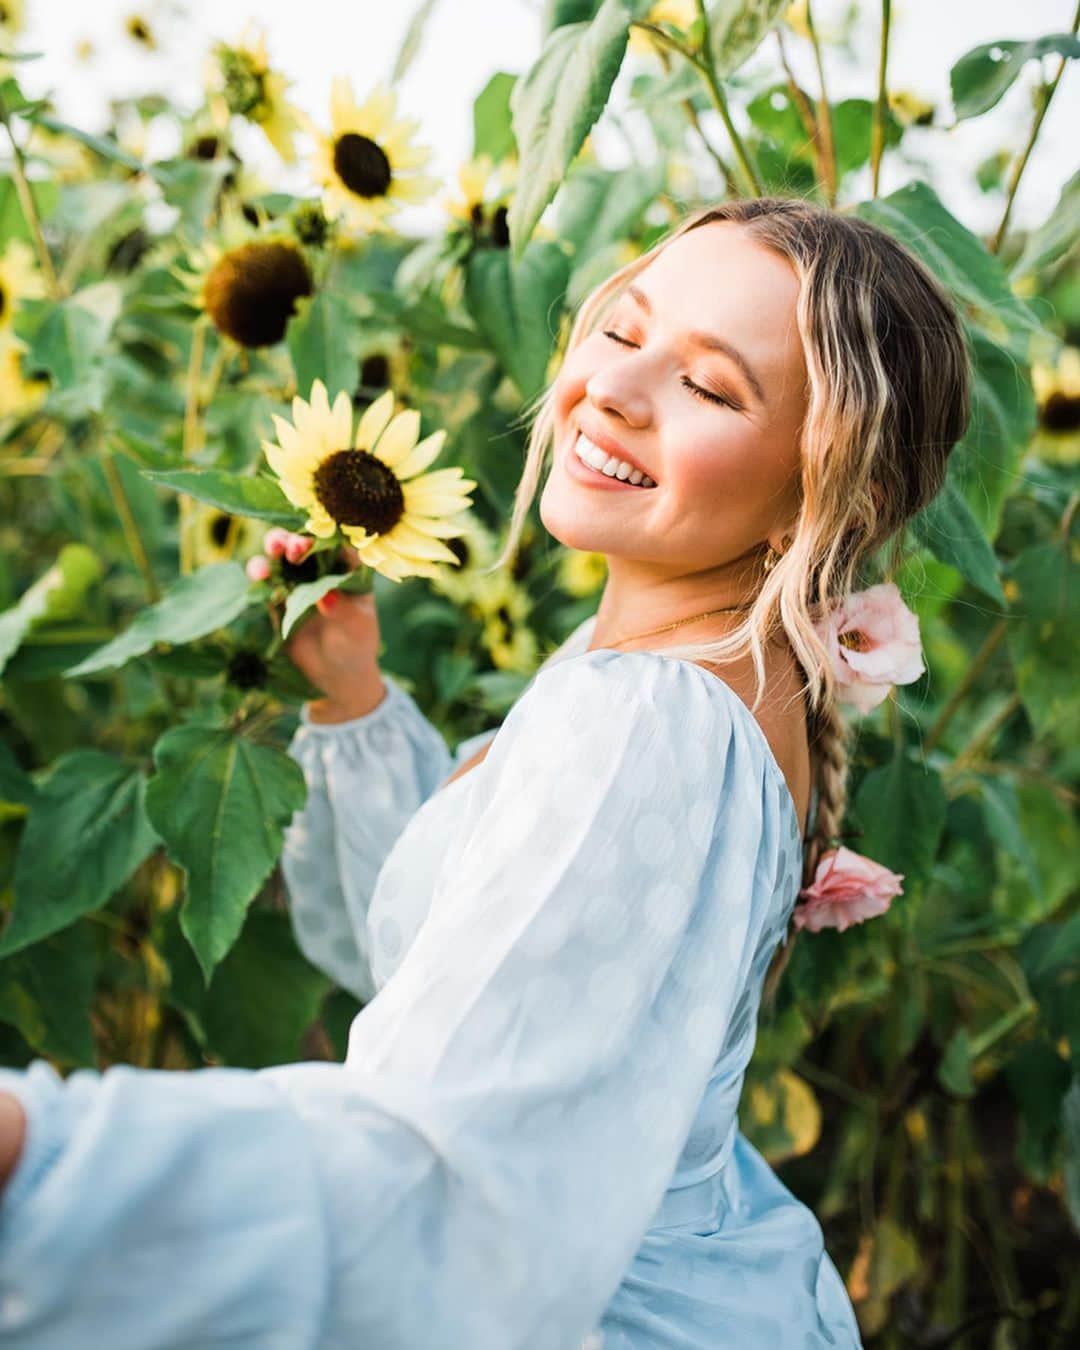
x=533, y=1141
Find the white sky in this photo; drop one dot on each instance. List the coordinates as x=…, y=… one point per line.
x=467, y=40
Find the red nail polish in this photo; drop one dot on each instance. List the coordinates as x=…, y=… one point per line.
x=328, y=601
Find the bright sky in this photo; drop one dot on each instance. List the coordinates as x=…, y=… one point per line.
x=467, y=40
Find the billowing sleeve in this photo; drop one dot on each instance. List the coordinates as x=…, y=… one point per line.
x=365, y=779
x=482, y=1168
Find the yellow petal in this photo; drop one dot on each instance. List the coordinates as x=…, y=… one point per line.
x=412, y=543
x=423, y=454
x=341, y=423
x=398, y=438
x=373, y=421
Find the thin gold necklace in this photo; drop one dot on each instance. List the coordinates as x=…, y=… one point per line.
x=727, y=609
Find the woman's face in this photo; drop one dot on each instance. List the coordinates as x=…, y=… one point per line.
x=726, y=467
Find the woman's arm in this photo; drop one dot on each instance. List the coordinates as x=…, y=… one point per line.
x=12, y=1135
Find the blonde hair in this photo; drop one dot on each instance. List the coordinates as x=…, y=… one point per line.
x=889, y=396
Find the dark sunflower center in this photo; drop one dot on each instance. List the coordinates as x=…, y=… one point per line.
x=310, y=225
x=140, y=31
x=219, y=529
x=251, y=292
x=854, y=641
x=361, y=165
x=375, y=371
x=356, y=488
x=3, y=301
x=500, y=232
x=460, y=549
x=1060, y=412
x=246, y=670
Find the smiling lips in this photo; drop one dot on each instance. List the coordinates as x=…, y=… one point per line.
x=599, y=461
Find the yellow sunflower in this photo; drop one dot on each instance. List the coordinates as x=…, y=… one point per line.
x=909, y=109
x=367, y=164
x=19, y=280
x=18, y=395
x=217, y=536
x=370, y=485
x=483, y=197
x=581, y=573
x=138, y=29
x=475, y=550
x=242, y=83
x=503, y=608
x=1057, y=394
x=248, y=283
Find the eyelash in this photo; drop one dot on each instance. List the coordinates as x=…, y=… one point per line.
x=687, y=383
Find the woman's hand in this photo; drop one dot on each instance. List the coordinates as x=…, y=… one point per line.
x=12, y=1135
x=338, y=650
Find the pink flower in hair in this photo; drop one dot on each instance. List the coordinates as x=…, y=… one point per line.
x=873, y=643
x=847, y=888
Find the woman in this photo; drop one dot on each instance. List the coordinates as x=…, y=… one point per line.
x=533, y=1140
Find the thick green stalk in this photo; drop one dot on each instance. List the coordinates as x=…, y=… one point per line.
x=704, y=63
x=881, y=107
x=824, y=114
x=129, y=524
x=30, y=215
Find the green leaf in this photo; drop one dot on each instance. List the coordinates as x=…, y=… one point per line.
x=86, y=833
x=16, y=786
x=322, y=341
x=1038, y=1078
x=853, y=120
x=192, y=186
x=304, y=597
x=47, y=994
x=221, y=803
x=598, y=207
x=555, y=106
x=493, y=133
x=950, y=531
x=1050, y=957
x=901, y=807
x=1070, y=1128
x=737, y=27
x=1053, y=239
x=984, y=74
x=232, y=1018
x=958, y=259
x=1045, y=639
x=258, y=498
x=70, y=344
x=196, y=605
x=105, y=146
x=58, y=594
x=954, y=1070
x=410, y=43
x=516, y=306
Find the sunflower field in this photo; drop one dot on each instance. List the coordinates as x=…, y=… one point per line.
x=197, y=365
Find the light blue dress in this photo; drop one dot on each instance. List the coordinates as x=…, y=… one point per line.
x=532, y=1143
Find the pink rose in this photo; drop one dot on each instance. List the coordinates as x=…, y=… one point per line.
x=257, y=568
x=873, y=642
x=274, y=542
x=847, y=888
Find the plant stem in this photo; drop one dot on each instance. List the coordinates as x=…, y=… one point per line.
x=824, y=114
x=30, y=215
x=877, y=131
x=128, y=523
x=974, y=670
x=984, y=735
x=803, y=107
x=1044, y=94
x=191, y=435
x=704, y=63
x=729, y=178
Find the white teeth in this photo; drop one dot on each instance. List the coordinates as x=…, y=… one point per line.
x=609, y=465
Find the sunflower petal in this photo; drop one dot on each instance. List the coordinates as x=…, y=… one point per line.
x=416, y=545
x=373, y=421
x=341, y=420
x=421, y=455
x=398, y=438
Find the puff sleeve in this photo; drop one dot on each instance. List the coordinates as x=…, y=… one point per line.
x=365, y=778
x=482, y=1168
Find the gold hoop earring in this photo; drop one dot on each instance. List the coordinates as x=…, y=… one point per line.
x=772, y=557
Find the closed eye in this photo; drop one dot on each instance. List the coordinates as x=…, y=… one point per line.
x=685, y=380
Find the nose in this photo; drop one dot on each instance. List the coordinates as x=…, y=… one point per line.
x=618, y=390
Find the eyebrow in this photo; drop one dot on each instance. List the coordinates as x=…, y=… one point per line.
x=708, y=340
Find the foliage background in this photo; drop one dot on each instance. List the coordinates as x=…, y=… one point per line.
x=916, y=1079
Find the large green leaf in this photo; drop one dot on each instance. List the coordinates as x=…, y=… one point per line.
x=239, y=494
x=1038, y=1078
x=16, y=786
x=57, y=594
x=901, y=808
x=1045, y=638
x=105, y=146
x=196, y=605
x=232, y=1018
x=322, y=341
x=555, y=105
x=516, y=306
x=46, y=993
x=493, y=133
x=984, y=74
x=950, y=531
x=599, y=207
x=70, y=344
x=737, y=27
x=958, y=259
x=86, y=833
x=221, y=803
x=1056, y=236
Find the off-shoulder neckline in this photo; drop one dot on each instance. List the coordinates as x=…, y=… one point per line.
x=729, y=694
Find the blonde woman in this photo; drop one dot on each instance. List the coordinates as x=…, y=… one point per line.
x=561, y=932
